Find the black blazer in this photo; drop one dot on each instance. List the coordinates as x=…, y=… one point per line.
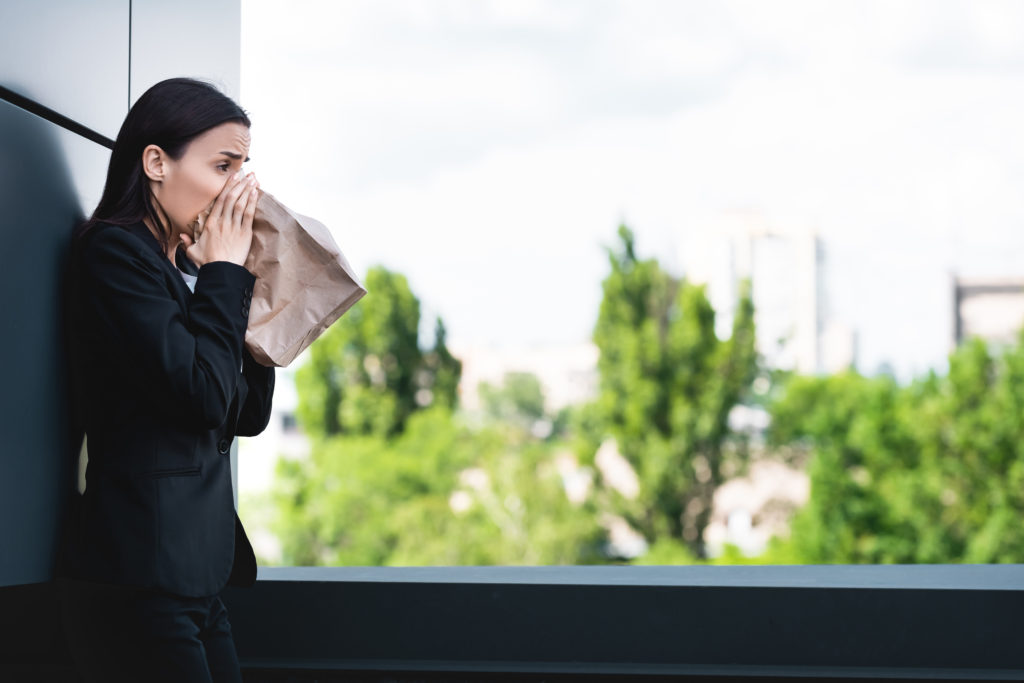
x=165, y=384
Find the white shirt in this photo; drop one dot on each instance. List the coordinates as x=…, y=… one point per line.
x=190, y=280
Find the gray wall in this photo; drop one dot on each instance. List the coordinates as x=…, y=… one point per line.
x=69, y=72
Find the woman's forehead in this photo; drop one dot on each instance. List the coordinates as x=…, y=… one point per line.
x=229, y=137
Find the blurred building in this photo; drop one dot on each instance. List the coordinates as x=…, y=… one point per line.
x=747, y=511
x=990, y=308
x=282, y=437
x=567, y=373
x=258, y=457
x=784, y=262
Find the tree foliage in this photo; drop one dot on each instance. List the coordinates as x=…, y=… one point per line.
x=438, y=494
x=396, y=478
x=367, y=373
x=929, y=472
x=932, y=472
x=667, y=386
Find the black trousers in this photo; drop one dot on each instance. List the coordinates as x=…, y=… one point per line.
x=126, y=633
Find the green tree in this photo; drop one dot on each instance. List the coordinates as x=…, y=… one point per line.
x=520, y=399
x=367, y=374
x=931, y=472
x=667, y=386
x=441, y=371
x=438, y=494
x=396, y=477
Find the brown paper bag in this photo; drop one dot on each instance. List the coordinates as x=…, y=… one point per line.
x=303, y=282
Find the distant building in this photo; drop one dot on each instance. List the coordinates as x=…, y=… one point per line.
x=784, y=264
x=749, y=510
x=258, y=455
x=567, y=373
x=991, y=308
x=257, y=460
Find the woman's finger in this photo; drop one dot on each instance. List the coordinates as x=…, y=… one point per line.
x=239, y=206
x=217, y=212
x=232, y=199
x=224, y=224
x=250, y=209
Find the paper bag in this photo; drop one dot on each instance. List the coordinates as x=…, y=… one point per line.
x=303, y=282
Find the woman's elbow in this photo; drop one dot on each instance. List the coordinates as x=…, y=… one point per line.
x=251, y=423
x=208, y=411
x=210, y=417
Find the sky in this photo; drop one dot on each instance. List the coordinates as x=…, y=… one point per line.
x=488, y=150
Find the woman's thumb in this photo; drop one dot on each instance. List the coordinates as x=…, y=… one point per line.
x=186, y=240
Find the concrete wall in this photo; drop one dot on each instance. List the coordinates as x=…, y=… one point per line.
x=69, y=72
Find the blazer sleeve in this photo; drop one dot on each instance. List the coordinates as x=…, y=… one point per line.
x=255, y=413
x=191, y=368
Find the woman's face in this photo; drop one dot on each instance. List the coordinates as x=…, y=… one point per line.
x=186, y=187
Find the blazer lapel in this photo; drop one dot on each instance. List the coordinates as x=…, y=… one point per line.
x=182, y=294
x=185, y=265
x=181, y=290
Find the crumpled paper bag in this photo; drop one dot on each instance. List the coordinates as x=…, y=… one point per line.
x=303, y=281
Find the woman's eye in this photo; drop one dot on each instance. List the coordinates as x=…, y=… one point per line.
x=224, y=167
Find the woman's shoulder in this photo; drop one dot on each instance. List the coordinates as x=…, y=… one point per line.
x=107, y=234
x=110, y=236
x=105, y=242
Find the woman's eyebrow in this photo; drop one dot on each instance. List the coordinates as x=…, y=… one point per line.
x=234, y=155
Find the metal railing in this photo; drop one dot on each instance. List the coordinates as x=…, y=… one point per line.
x=935, y=622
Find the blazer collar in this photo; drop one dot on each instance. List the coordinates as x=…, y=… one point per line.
x=184, y=264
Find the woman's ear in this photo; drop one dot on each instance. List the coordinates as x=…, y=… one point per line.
x=153, y=163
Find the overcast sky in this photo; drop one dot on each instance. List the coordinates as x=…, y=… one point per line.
x=488, y=150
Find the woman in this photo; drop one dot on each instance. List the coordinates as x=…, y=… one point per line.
x=163, y=383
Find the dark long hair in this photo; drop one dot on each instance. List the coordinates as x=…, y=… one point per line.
x=170, y=115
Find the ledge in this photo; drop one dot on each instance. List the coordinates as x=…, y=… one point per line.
x=743, y=622
x=1009, y=577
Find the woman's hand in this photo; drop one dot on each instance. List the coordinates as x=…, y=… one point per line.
x=226, y=233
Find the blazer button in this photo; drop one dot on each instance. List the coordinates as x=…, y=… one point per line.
x=245, y=311
x=223, y=446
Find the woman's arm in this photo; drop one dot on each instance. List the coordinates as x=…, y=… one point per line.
x=255, y=414
x=191, y=369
